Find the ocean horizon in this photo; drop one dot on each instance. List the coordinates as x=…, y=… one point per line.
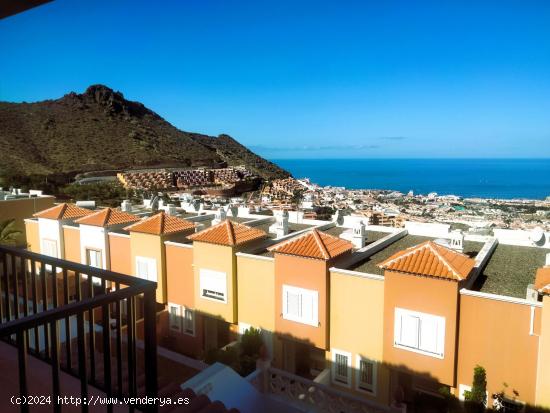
x=484, y=178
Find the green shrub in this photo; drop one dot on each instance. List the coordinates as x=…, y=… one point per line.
x=251, y=342
x=476, y=399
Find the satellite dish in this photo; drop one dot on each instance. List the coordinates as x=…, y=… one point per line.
x=537, y=234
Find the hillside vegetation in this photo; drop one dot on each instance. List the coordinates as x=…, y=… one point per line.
x=100, y=130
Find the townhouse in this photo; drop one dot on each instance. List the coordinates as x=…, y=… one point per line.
x=373, y=311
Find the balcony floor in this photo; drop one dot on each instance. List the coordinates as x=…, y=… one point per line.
x=39, y=381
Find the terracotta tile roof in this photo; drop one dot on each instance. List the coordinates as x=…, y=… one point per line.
x=161, y=224
x=63, y=211
x=107, y=217
x=542, y=280
x=229, y=233
x=430, y=259
x=313, y=244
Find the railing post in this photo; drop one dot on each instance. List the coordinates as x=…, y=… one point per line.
x=34, y=304
x=106, y=333
x=82, y=371
x=7, y=286
x=118, y=343
x=22, y=358
x=150, y=339
x=56, y=389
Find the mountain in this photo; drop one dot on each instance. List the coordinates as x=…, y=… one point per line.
x=99, y=130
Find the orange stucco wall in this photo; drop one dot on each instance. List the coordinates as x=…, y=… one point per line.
x=304, y=273
x=426, y=295
x=495, y=335
x=121, y=260
x=71, y=237
x=33, y=238
x=543, y=376
x=217, y=258
x=256, y=292
x=181, y=342
x=180, y=281
x=357, y=300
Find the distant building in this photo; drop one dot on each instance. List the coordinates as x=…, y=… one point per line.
x=17, y=205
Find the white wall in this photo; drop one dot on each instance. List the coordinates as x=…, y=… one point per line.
x=51, y=229
x=94, y=238
x=519, y=237
x=428, y=229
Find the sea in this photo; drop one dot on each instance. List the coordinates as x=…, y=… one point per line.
x=483, y=178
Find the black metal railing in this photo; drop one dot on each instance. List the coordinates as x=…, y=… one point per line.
x=82, y=321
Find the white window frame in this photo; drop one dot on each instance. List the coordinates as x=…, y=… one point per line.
x=151, y=264
x=184, y=319
x=48, y=241
x=333, y=372
x=301, y=292
x=95, y=251
x=418, y=347
x=208, y=278
x=372, y=390
x=175, y=325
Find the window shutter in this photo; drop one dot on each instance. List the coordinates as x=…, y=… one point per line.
x=429, y=334
x=152, y=270
x=419, y=332
x=142, y=269
x=309, y=307
x=293, y=304
x=409, y=330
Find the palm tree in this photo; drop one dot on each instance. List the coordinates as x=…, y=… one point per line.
x=8, y=233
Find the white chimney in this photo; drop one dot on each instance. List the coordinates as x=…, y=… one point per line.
x=359, y=236
x=281, y=224
x=532, y=293
x=338, y=217
x=457, y=240
x=171, y=209
x=548, y=259
x=126, y=206
x=220, y=216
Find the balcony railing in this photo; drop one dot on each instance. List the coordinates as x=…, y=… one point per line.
x=80, y=320
x=309, y=394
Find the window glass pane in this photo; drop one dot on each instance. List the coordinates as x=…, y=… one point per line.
x=366, y=373
x=94, y=258
x=188, y=321
x=174, y=317
x=341, y=367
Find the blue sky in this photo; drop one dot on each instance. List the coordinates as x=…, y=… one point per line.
x=305, y=79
